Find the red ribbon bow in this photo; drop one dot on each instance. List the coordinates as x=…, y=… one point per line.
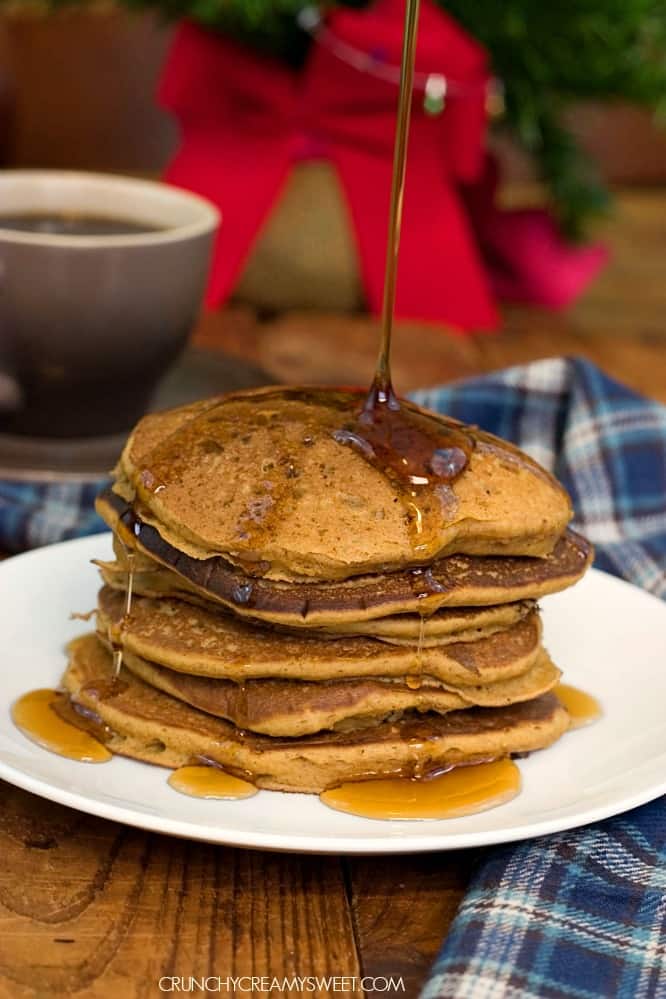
x=246, y=119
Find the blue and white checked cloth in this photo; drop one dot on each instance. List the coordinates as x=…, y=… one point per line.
x=33, y=514
x=579, y=914
x=605, y=443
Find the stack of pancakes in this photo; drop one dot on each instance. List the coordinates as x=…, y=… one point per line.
x=301, y=618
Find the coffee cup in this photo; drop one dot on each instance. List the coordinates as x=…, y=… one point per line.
x=101, y=281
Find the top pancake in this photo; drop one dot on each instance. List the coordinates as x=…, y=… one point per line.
x=278, y=482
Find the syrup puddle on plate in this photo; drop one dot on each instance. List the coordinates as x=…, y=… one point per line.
x=201, y=781
x=48, y=718
x=37, y=715
x=460, y=791
x=583, y=708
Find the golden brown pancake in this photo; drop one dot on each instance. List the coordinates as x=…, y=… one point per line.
x=149, y=725
x=294, y=708
x=281, y=481
x=193, y=640
x=459, y=580
x=449, y=624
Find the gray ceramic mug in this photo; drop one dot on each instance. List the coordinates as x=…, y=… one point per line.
x=89, y=323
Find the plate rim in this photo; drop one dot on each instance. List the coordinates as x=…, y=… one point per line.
x=318, y=845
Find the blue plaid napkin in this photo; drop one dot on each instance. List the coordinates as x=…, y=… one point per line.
x=33, y=514
x=605, y=443
x=580, y=914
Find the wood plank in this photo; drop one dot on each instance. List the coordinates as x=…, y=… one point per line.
x=92, y=908
x=402, y=908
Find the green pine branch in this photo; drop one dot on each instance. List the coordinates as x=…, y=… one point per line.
x=550, y=55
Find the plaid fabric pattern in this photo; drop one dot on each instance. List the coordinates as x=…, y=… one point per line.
x=34, y=514
x=605, y=443
x=580, y=914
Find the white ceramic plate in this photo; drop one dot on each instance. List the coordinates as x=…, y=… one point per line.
x=608, y=636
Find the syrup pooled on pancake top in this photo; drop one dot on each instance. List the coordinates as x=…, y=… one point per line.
x=296, y=483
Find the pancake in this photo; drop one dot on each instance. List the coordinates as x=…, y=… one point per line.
x=293, y=483
x=197, y=641
x=147, y=724
x=294, y=708
x=449, y=624
x=459, y=580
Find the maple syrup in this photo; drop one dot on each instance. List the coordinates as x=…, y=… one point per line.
x=424, y=584
x=47, y=718
x=117, y=646
x=583, y=708
x=102, y=689
x=421, y=456
x=210, y=782
x=459, y=791
x=381, y=389
x=414, y=680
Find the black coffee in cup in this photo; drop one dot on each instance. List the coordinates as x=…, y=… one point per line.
x=74, y=225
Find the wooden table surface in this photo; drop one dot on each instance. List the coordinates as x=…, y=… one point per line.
x=92, y=909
